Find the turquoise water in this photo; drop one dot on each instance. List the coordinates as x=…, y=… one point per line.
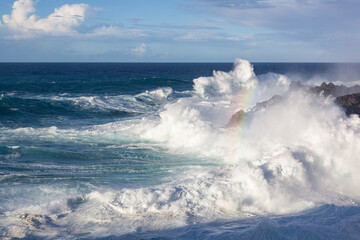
x=141, y=151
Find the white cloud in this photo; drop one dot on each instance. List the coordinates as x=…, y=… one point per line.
x=210, y=35
x=23, y=24
x=140, y=51
x=287, y=15
x=115, y=31
x=313, y=24
x=61, y=22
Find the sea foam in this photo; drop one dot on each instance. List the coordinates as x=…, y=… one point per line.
x=296, y=155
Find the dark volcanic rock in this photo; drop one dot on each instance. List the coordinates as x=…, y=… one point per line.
x=265, y=104
x=327, y=89
x=236, y=119
x=241, y=115
x=350, y=103
x=346, y=97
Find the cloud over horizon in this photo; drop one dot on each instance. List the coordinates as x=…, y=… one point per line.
x=190, y=30
x=286, y=14
x=21, y=23
x=64, y=21
x=141, y=50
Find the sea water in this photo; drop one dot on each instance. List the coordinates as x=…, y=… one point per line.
x=143, y=151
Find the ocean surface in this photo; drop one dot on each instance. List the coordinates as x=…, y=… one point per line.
x=143, y=151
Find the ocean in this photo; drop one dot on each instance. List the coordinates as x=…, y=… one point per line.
x=143, y=151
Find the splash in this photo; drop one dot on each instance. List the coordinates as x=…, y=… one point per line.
x=305, y=143
x=297, y=154
x=227, y=84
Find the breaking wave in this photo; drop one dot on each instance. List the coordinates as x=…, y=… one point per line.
x=286, y=159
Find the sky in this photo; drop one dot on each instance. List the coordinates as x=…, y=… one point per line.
x=179, y=30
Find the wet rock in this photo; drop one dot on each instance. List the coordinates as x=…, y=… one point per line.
x=241, y=115
x=350, y=103
x=236, y=119
x=346, y=97
x=327, y=89
x=266, y=104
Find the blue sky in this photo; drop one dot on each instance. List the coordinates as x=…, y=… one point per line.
x=180, y=31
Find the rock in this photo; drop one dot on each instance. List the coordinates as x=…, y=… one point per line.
x=236, y=119
x=327, y=89
x=350, y=103
x=266, y=104
x=346, y=97
x=241, y=115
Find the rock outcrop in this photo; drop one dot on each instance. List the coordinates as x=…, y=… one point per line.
x=236, y=119
x=327, y=89
x=346, y=97
x=350, y=103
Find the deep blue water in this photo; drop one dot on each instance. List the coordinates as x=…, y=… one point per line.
x=79, y=159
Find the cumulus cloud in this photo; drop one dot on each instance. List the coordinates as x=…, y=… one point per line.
x=23, y=24
x=140, y=51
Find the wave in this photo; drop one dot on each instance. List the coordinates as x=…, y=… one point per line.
x=42, y=111
x=291, y=157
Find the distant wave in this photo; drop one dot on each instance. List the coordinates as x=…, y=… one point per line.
x=38, y=110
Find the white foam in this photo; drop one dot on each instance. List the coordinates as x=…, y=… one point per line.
x=227, y=83
x=300, y=153
x=303, y=144
x=159, y=93
x=140, y=103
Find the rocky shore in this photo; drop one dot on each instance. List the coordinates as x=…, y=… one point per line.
x=346, y=97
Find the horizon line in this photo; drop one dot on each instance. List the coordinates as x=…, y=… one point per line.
x=95, y=62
